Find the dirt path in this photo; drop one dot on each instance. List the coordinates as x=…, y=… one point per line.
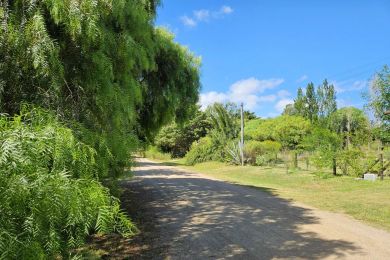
x=190, y=216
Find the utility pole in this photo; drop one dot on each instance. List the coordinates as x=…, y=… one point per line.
x=242, y=135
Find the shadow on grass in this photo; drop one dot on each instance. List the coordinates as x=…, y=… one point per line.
x=182, y=216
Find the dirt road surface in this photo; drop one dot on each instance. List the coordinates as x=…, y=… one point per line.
x=190, y=216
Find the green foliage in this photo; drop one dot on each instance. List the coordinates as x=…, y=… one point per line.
x=233, y=153
x=252, y=129
x=271, y=147
x=325, y=144
x=252, y=148
x=290, y=130
x=317, y=106
x=101, y=63
x=300, y=103
x=287, y=130
x=225, y=124
x=171, y=89
x=351, y=162
x=379, y=102
x=352, y=124
x=217, y=145
x=50, y=197
x=311, y=104
x=326, y=96
x=201, y=151
x=177, y=139
x=290, y=110
x=260, y=153
x=154, y=153
x=112, y=78
x=261, y=129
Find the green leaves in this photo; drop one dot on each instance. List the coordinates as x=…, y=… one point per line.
x=379, y=102
x=50, y=197
x=101, y=63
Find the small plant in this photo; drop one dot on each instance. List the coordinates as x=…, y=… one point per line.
x=233, y=153
x=261, y=160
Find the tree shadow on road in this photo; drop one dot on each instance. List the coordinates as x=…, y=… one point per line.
x=187, y=217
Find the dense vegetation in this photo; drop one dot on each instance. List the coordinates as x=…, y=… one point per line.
x=343, y=141
x=99, y=79
x=51, y=197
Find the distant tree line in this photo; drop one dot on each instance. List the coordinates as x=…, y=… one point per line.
x=312, y=128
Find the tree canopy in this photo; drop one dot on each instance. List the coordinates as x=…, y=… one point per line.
x=99, y=62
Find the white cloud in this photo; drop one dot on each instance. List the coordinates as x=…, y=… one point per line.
x=202, y=15
x=341, y=103
x=187, y=21
x=283, y=93
x=268, y=98
x=226, y=9
x=253, y=85
x=349, y=86
x=212, y=97
x=246, y=91
x=302, y=79
x=282, y=104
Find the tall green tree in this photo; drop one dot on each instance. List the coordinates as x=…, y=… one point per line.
x=326, y=99
x=352, y=124
x=311, y=104
x=379, y=102
x=299, y=103
x=224, y=122
x=326, y=145
x=321, y=99
x=330, y=104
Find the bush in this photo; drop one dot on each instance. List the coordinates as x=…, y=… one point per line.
x=252, y=149
x=267, y=149
x=201, y=151
x=177, y=139
x=50, y=196
x=261, y=160
x=354, y=162
x=154, y=153
x=233, y=153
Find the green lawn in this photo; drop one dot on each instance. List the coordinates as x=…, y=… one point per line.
x=364, y=200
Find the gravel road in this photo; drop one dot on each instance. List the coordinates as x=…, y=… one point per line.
x=190, y=216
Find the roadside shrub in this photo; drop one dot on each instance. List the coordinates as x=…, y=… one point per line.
x=50, y=196
x=252, y=149
x=268, y=150
x=271, y=148
x=353, y=162
x=322, y=158
x=201, y=151
x=154, y=153
x=233, y=153
x=261, y=160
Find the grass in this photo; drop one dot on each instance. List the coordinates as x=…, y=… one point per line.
x=364, y=200
x=153, y=153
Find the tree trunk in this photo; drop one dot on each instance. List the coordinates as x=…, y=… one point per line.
x=334, y=166
x=295, y=159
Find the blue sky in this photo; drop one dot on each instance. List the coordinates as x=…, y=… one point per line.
x=260, y=52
